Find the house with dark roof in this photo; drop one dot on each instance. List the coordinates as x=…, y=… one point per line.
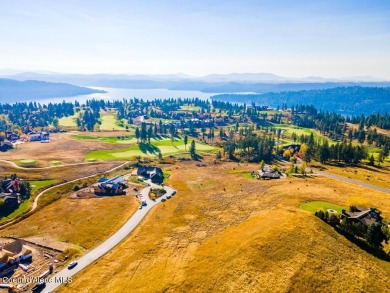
x=12, y=136
x=39, y=136
x=11, y=200
x=268, y=173
x=155, y=174
x=113, y=186
x=5, y=146
x=11, y=185
x=364, y=216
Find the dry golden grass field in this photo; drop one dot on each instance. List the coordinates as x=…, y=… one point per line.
x=372, y=175
x=60, y=173
x=75, y=223
x=225, y=232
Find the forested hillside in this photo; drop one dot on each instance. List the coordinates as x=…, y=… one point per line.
x=12, y=90
x=345, y=100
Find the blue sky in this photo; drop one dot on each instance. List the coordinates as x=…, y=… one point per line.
x=289, y=38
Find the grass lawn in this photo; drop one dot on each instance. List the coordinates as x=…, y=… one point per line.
x=164, y=146
x=314, y=206
x=84, y=223
x=270, y=112
x=290, y=129
x=70, y=121
x=120, y=139
x=38, y=184
x=110, y=122
x=24, y=206
x=56, y=163
x=190, y=108
x=26, y=163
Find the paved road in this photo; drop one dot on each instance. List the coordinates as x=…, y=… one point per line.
x=356, y=182
x=35, y=203
x=110, y=243
x=341, y=178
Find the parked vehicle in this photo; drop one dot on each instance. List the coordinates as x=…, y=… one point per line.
x=174, y=192
x=163, y=199
x=144, y=202
x=140, y=207
x=169, y=196
x=38, y=287
x=72, y=265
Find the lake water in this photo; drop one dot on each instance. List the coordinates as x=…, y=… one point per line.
x=118, y=93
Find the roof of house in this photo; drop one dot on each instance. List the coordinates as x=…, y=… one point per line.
x=270, y=175
x=7, y=195
x=366, y=216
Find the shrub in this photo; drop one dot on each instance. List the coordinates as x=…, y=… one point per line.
x=76, y=188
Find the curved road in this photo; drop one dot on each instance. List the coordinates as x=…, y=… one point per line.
x=35, y=203
x=109, y=244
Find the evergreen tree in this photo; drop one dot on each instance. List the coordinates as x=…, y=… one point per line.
x=137, y=134
x=374, y=235
x=185, y=141
x=192, y=149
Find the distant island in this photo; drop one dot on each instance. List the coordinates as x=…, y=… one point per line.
x=24, y=90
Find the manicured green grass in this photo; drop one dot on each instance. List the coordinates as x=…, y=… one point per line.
x=40, y=184
x=270, y=112
x=110, y=122
x=165, y=146
x=128, y=139
x=69, y=121
x=315, y=206
x=190, y=108
x=26, y=163
x=290, y=129
x=24, y=206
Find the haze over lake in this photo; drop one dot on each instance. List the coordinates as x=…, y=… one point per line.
x=119, y=93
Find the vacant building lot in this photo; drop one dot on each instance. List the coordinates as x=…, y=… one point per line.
x=224, y=232
x=74, y=223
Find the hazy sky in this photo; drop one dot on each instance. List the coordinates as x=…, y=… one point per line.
x=291, y=38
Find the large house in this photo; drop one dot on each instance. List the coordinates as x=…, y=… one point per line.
x=5, y=146
x=11, y=185
x=153, y=173
x=10, y=200
x=12, y=136
x=268, y=173
x=364, y=216
x=39, y=136
x=12, y=252
x=113, y=186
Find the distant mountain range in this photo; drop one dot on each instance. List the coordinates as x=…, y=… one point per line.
x=214, y=83
x=14, y=90
x=267, y=88
x=94, y=79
